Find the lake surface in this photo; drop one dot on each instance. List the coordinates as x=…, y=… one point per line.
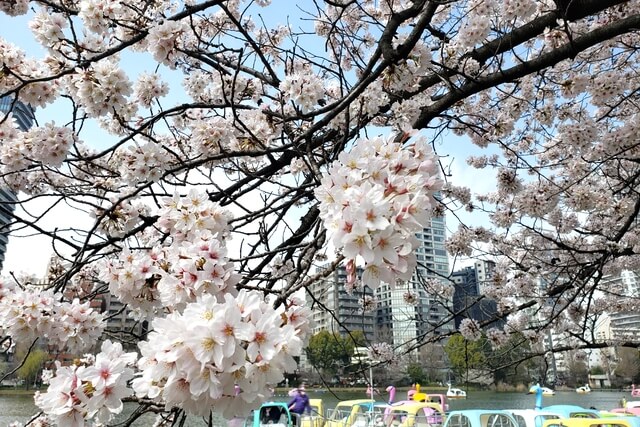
x=21, y=408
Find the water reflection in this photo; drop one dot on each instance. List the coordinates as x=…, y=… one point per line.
x=21, y=408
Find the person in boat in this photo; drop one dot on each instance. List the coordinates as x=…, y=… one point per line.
x=411, y=392
x=270, y=415
x=299, y=404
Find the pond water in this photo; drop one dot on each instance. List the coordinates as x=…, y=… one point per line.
x=21, y=407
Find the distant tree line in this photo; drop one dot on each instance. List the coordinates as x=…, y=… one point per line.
x=463, y=361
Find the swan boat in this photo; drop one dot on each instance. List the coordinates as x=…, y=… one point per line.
x=453, y=393
x=584, y=389
x=546, y=391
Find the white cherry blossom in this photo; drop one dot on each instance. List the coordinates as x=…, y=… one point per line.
x=372, y=212
x=214, y=200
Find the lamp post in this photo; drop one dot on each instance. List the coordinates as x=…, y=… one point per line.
x=371, y=379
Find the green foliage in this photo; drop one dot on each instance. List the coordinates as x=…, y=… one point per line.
x=31, y=367
x=597, y=370
x=465, y=355
x=329, y=352
x=507, y=361
x=357, y=338
x=628, y=366
x=577, y=369
x=416, y=373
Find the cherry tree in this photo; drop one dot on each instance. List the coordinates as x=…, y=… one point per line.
x=263, y=139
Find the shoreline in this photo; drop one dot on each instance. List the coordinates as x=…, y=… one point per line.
x=281, y=391
x=18, y=392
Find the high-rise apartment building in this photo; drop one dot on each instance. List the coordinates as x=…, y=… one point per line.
x=406, y=314
x=8, y=201
x=615, y=327
x=484, y=274
x=121, y=326
x=335, y=310
x=23, y=115
x=624, y=326
x=405, y=324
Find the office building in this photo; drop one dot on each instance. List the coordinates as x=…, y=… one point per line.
x=23, y=115
x=469, y=300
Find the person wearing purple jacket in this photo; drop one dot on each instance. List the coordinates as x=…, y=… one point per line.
x=300, y=402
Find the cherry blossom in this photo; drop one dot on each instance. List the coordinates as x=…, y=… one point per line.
x=33, y=313
x=89, y=389
x=470, y=329
x=224, y=153
x=195, y=264
x=150, y=87
x=382, y=352
x=19, y=7
x=373, y=199
x=231, y=342
x=302, y=87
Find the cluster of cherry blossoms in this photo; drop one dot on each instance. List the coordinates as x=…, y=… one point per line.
x=382, y=352
x=221, y=354
x=46, y=145
x=104, y=98
x=29, y=313
x=216, y=340
x=41, y=420
x=470, y=329
x=191, y=263
x=497, y=337
x=373, y=200
x=303, y=87
x=121, y=218
x=410, y=298
x=90, y=389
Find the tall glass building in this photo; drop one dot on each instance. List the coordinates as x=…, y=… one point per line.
x=24, y=117
x=469, y=299
x=23, y=114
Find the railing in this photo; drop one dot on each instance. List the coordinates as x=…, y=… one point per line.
x=313, y=420
x=379, y=419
